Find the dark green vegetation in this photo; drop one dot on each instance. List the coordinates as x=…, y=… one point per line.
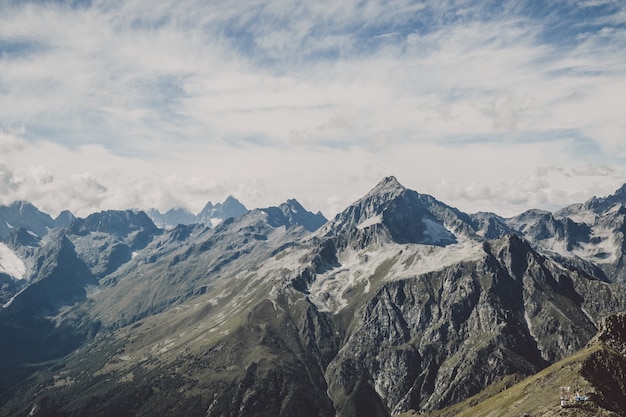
x=398, y=303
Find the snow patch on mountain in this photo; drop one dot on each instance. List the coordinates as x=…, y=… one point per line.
x=370, y=222
x=437, y=232
x=10, y=263
x=580, y=216
x=366, y=269
x=603, y=247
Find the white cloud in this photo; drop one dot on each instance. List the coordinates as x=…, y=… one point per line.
x=163, y=103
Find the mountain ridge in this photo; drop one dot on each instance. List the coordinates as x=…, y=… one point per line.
x=209, y=215
x=399, y=302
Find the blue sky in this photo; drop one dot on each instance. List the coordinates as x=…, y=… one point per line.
x=487, y=105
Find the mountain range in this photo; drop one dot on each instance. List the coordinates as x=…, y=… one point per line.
x=398, y=303
x=209, y=215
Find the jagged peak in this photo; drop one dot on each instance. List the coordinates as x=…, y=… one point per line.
x=621, y=191
x=231, y=207
x=64, y=214
x=388, y=185
x=293, y=213
x=292, y=203
x=231, y=199
x=532, y=213
x=208, y=206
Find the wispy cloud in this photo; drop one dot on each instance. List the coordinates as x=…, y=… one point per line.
x=320, y=88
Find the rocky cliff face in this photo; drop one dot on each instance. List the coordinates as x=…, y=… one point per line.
x=589, y=383
x=606, y=368
x=435, y=339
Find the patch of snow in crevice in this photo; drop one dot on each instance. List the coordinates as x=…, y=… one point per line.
x=273, y=296
x=367, y=287
x=556, y=246
x=529, y=325
x=589, y=317
x=532, y=334
x=437, y=232
x=216, y=299
x=287, y=259
x=8, y=303
x=92, y=290
x=10, y=263
x=586, y=217
x=370, y=222
x=607, y=247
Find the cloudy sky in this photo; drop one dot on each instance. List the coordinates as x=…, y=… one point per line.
x=487, y=105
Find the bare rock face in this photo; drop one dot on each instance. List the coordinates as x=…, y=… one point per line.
x=606, y=368
x=435, y=339
x=59, y=279
x=613, y=332
x=107, y=240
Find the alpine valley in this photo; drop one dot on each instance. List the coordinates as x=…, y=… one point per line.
x=399, y=304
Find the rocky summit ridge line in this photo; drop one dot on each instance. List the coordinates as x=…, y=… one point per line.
x=399, y=302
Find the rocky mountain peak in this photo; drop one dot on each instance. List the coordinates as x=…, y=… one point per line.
x=172, y=217
x=390, y=212
x=64, y=219
x=296, y=214
x=207, y=207
x=621, y=192
x=231, y=201
x=116, y=222
x=290, y=214
x=388, y=186
x=211, y=214
x=26, y=215
x=292, y=205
